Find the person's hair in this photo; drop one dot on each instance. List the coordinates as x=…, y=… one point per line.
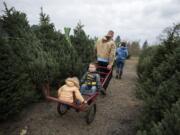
x=74, y=80
x=92, y=63
x=123, y=44
x=111, y=31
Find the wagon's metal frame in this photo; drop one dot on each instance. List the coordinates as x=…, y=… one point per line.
x=90, y=107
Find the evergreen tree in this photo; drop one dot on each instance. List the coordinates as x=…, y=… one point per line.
x=145, y=45
x=83, y=44
x=33, y=56
x=169, y=125
x=135, y=48
x=57, y=49
x=22, y=63
x=118, y=41
x=158, y=82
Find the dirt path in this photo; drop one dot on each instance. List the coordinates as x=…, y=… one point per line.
x=116, y=113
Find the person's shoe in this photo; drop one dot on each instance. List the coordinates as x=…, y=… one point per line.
x=119, y=76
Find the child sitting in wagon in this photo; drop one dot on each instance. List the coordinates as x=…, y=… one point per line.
x=91, y=81
x=69, y=90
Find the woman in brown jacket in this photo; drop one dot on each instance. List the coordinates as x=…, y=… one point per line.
x=105, y=51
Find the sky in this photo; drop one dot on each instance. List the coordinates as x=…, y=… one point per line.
x=138, y=20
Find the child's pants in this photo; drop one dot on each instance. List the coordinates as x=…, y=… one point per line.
x=85, y=89
x=119, y=67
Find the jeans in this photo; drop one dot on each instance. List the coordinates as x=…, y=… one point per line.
x=119, y=66
x=85, y=89
x=103, y=64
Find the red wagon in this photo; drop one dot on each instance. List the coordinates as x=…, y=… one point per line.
x=89, y=108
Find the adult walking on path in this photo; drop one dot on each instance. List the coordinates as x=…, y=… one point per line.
x=105, y=51
x=121, y=55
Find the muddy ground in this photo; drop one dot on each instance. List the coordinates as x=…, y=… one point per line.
x=116, y=113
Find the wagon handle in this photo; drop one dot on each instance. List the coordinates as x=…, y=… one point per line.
x=46, y=90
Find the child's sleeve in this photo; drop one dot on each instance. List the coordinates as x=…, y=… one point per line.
x=83, y=78
x=79, y=96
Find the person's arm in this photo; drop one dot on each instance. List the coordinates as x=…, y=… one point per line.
x=79, y=96
x=98, y=81
x=112, y=54
x=83, y=78
x=116, y=52
x=126, y=53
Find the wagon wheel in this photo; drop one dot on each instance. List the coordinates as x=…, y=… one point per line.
x=90, y=115
x=62, y=109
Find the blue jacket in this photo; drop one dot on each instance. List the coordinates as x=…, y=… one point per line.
x=121, y=53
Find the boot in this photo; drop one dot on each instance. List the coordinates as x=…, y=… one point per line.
x=117, y=73
x=120, y=74
x=116, y=76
